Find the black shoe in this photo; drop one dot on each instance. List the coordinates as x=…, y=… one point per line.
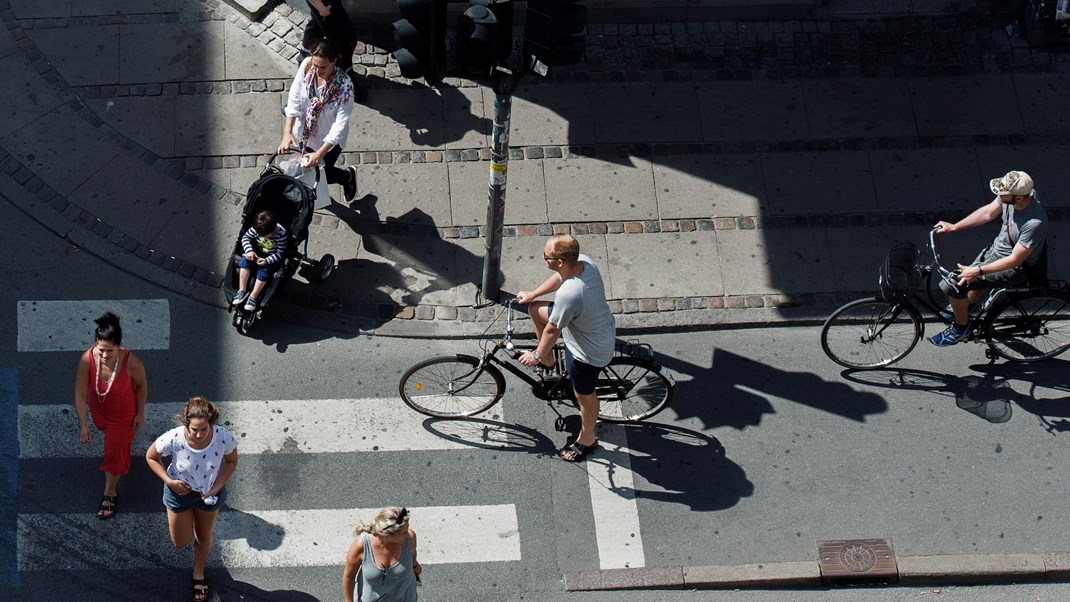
x=360, y=93
x=350, y=187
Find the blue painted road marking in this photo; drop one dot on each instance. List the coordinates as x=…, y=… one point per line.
x=9, y=476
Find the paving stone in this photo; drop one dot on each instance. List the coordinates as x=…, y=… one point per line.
x=219, y=124
x=948, y=107
x=586, y=189
x=27, y=96
x=691, y=186
x=525, y=199
x=548, y=114
x=83, y=56
x=755, y=262
x=767, y=110
x=127, y=116
x=650, y=265
x=167, y=52
x=62, y=150
x=860, y=108
x=818, y=183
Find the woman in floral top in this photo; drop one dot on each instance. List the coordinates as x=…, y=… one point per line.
x=203, y=457
x=317, y=115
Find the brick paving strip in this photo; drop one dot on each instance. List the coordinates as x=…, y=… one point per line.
x=677, y=52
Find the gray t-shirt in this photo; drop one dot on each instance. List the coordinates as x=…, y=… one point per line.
x=1027, y=227
x=581, y=312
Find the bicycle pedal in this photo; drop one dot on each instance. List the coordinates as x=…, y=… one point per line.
x=559, y=424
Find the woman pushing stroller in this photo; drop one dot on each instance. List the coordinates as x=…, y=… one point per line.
x=317, y=115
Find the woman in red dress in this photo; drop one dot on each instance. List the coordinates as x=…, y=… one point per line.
x=111, y=383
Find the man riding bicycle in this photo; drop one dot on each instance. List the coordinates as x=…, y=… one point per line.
x=1004, y=263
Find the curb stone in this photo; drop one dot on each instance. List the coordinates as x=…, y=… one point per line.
x=966, y=569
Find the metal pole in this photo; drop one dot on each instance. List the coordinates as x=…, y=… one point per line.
x=504, y=83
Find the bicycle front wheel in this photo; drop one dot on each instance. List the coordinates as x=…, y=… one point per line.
x=451, y=387
x=870, y=333
x=631, y=389
x=1030, y=328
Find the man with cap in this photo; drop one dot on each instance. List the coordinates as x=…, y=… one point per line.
x=1006, y=262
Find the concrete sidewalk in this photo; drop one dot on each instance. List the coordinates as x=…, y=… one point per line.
x=719, y=173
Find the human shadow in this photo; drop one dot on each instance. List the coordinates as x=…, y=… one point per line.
x=681, y=466
x=433, y=116
x=226, y=587
x=735, y=390
x=407, y=254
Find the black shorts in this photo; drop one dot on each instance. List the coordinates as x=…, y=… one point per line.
x=584, y=376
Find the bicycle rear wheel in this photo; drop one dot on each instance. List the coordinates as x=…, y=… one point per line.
x=870, y=333
x=1030, y=328
x=630, y=389
x=451, y=387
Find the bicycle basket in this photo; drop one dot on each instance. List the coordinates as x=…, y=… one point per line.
x=899, y=276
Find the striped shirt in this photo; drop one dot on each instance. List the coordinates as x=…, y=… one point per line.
x=268, y=247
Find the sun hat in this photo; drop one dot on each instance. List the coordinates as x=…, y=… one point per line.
x=1017, y=183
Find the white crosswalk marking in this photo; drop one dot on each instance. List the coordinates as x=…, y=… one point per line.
x=616, y=514
x=304, y=425
x=68, y=325
x=273, y=538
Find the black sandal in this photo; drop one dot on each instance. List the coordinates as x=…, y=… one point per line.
x=200, y=590
x=113, y=507
x=577, y=451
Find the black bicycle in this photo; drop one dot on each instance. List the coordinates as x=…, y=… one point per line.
x=632, y=388
x=1024, y=324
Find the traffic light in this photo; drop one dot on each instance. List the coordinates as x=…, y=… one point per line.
x=484, y=36
x=553, y=34
x=421, y=34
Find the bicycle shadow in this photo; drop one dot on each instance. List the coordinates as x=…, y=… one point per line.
x=735, y=390
x=485, y=433
x=990, y=393
x=665, y=463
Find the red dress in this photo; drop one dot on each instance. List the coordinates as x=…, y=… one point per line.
x=114, y=414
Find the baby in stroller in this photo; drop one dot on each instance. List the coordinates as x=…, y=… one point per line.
x=263, y=244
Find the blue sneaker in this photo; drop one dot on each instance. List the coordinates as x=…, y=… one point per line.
x=947, y=314
x=951, y=335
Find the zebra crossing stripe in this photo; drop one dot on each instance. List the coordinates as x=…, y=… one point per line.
x=293, y=426
x=260, y=539
x=616, y=513
x=68, y=325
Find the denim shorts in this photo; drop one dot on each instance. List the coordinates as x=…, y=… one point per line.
x=181, y=503
x=262, y=272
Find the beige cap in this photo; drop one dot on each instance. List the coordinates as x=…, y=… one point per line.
x=1017, y=183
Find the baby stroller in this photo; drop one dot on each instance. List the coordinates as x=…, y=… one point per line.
x=292, y=202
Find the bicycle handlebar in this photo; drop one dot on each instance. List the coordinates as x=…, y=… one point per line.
x=948, y=276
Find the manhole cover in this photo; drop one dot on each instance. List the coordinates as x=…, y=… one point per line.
x=857, y=561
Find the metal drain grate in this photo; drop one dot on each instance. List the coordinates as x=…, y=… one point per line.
x=857, y=561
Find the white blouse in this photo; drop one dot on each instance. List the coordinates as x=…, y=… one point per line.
x=333, y=122
x=198, y=468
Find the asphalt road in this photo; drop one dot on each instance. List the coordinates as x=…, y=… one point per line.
x=767, y=449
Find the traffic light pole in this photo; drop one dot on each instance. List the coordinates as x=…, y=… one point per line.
x=504, y=83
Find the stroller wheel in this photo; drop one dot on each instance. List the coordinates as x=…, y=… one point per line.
x=245, y=322
x=325, y=266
